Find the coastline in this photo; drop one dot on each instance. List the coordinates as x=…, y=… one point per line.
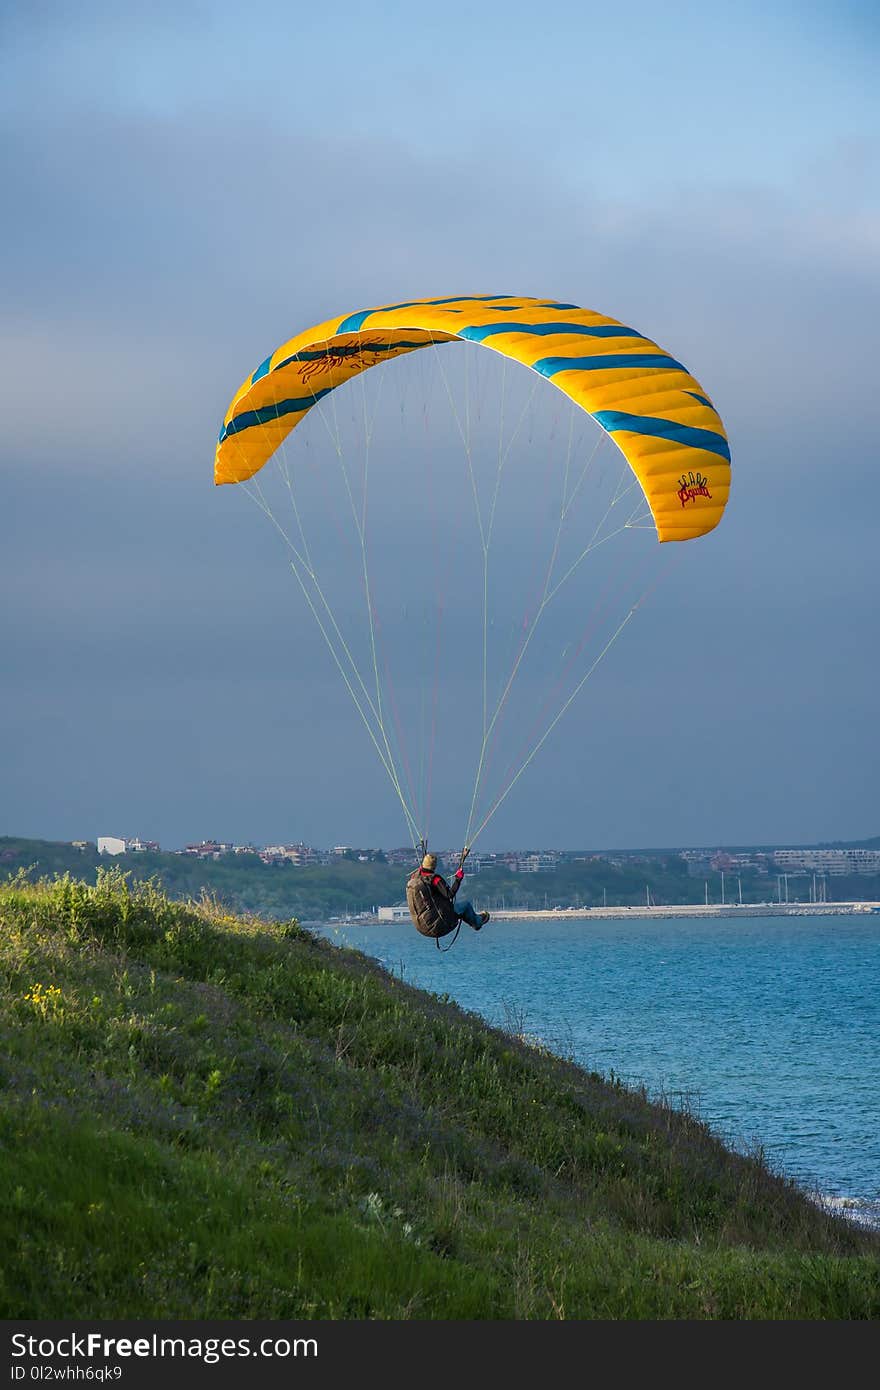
x=846, y=1196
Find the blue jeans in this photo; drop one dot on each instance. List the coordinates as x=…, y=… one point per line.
x=467, y=914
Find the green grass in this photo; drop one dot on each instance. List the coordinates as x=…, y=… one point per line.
x=206, y=1116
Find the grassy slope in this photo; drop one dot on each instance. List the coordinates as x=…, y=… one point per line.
x=204, y=1116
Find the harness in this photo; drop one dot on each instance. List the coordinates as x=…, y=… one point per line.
x=444, y=949
x=432, y=912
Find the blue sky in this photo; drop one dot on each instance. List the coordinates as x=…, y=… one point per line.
x=190, y=184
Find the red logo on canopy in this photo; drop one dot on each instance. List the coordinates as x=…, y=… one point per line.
x=357, y=355
x=691, y=486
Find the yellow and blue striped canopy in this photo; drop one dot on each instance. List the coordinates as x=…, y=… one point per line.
x=655, y=411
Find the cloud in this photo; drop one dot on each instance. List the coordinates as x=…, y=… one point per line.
x=161, y=245
x=153, y=263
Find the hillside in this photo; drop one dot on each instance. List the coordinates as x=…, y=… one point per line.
x=211, y=1116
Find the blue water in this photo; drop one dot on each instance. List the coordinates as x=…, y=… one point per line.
x=767, y=1027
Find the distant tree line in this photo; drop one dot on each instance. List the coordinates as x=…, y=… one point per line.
x=314, y=893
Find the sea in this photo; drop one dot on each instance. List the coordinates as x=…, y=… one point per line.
x=767, y=1028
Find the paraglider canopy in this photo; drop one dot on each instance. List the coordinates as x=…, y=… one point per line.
x=673, y=458
x=655, y=411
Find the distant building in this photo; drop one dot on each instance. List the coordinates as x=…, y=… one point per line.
x=478, y=862
x=537, y=863
x=110, y=844
x=298, y=855
x=698, y=861
x=792, y=861
x=207, y=849
x=827, y=861
x=398, y=913
x=527, y=861
x=272, y=854
x=729, y=863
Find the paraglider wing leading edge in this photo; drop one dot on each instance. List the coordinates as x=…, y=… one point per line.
x=655, y=411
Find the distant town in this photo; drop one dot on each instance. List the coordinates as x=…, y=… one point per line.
x=298, y=880
x=833, y=862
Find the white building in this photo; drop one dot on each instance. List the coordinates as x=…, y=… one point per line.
x=398, y=913
x=828, y=861
x=537, y=863
x=298, y=855
x=110, y=844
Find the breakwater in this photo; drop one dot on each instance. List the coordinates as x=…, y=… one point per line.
x=707, y=910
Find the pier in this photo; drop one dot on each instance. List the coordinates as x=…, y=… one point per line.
x=708, y=910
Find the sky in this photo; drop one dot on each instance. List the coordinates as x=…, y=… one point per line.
x=187, y=185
